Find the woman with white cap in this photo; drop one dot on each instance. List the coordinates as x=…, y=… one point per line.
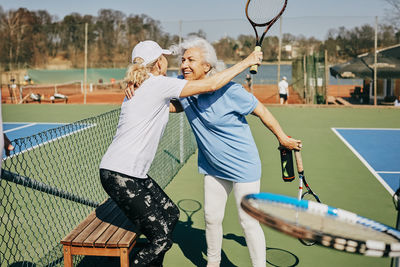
x=124, y=167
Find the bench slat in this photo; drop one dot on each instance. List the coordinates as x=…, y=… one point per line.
x=120, y=233
x=75, y=232
x=127, y=239
x=104, y=225
x=102, y=212
x=107, y=234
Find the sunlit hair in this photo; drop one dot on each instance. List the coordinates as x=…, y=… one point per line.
x=137, y=73
x=208, y=50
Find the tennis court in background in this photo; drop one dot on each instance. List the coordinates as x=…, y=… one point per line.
x=15, y=130
x=378, y=150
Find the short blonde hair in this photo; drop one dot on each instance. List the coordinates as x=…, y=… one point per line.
x=137, y=73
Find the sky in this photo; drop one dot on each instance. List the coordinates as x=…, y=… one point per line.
x=220, y=18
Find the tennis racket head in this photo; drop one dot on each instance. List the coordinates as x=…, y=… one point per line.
x=264, y=13
x=326, y=226
x=309, y=195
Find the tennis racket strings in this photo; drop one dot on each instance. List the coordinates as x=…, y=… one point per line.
x=328, y=226
x=262, y=12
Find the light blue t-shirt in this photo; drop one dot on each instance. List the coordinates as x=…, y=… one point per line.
x=226, y=146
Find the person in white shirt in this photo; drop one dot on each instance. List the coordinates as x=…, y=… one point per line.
x=124, y=167
x=283, y=91
x=397, y=102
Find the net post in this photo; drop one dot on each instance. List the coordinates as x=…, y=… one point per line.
x=85, y=71
x=279, y=54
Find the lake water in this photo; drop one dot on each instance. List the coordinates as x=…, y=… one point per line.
x=267, y=74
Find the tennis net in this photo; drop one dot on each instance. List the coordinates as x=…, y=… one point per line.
x=51, y=182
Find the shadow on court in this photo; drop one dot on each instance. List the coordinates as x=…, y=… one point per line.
x=282, y=258
x=192, y=241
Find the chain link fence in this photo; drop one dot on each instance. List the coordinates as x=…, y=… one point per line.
x=51, y=182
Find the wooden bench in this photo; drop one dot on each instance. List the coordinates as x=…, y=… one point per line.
x=105, y=232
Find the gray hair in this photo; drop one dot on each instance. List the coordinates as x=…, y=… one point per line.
x=208, y=50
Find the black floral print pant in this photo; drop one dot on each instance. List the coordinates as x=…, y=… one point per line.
x=148, y=207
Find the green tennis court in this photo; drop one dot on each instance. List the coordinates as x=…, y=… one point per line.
x=333, y=171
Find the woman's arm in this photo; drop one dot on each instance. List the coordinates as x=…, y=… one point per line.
x=218, y=80
x=214, y=82
x=273, y=125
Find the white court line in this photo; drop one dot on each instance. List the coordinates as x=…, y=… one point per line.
x=19, y=128
x=375, y=129
x=388, y=172
x=377, y=176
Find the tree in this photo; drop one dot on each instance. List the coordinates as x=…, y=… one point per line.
x=16, y=29
x=394, y=12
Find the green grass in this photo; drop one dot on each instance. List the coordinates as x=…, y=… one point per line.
x=332, y=170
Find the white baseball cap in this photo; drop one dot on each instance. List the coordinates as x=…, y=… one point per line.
x=284, y=77
x=149, y=51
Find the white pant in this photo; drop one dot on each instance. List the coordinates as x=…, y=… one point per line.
x=216, y=193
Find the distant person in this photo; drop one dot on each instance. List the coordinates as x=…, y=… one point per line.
x=397, y=102
x=249, y=82
x=124, y=167
x=13, y=84
x=283, y=91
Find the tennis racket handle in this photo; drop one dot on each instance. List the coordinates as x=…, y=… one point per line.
x=299, y=161
x=254, y=68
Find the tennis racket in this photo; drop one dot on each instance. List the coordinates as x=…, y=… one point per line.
x=325, y=225
x=309, y=195
x=263, y=13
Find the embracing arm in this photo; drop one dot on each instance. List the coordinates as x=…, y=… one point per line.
x=218, y=80
x=273, y=125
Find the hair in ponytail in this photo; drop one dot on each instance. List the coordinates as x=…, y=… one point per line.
x=137, y=73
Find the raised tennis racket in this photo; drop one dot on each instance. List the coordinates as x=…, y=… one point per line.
x=309, y=194
x=263, y=14
x=326, y=226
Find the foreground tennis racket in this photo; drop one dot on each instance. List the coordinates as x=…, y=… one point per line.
x=309, y=195
x=326, y=226
x=263, y=13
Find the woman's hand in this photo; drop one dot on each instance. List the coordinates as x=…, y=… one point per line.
x=291, y=143
x=129, y=91
x=8, y=147
x=254, y=58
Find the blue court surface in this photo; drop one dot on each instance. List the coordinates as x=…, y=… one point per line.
x=378, y=150
x=20, y=130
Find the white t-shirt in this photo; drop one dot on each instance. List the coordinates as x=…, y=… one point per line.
x=283, y=87
x=141, y=125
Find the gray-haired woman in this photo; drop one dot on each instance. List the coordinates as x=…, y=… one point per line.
x=228, y=156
